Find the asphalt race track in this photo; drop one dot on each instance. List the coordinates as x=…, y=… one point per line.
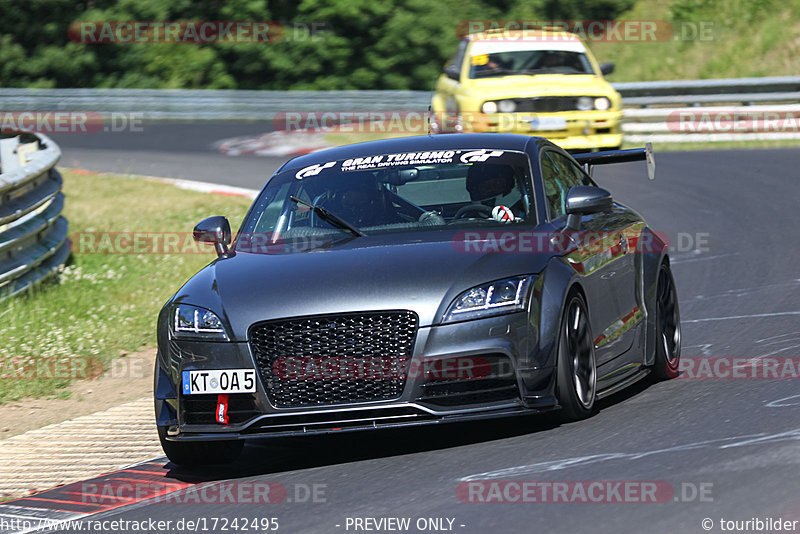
x=729, y=448
x=182, y=150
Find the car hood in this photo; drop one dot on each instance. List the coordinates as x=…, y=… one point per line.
x=364, y=274
x=541, y=85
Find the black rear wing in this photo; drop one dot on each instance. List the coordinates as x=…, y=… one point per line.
x=619, y=156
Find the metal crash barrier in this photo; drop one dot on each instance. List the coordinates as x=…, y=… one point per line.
x=33, y=233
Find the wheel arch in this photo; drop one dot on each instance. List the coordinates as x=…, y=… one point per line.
x=553, y=288
x=653, y=251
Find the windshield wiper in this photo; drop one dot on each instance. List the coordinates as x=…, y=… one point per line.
x=327, y=216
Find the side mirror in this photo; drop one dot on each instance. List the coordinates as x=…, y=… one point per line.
x=215, y=230
x=585, y=199
x=451, y=71
x=606, y=68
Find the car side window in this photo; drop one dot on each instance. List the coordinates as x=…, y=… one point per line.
x=559, y=174
x=458, y=59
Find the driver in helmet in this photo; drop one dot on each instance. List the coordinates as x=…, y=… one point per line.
x=488, y=181
x=361, y=201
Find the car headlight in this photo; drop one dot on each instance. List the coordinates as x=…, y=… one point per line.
x=584, y=103
x=602, y=103
x=489, y=107
x=495, y=298
x=506, y=106
x=193, y=322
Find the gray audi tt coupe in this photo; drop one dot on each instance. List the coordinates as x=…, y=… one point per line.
x=414, y=281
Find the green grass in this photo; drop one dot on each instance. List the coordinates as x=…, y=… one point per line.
x=747, y=38
x=102, y=304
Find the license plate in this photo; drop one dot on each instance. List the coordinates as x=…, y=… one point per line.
x=548, y=123
x=219, y=381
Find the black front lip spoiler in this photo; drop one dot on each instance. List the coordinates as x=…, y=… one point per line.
x=335, y=428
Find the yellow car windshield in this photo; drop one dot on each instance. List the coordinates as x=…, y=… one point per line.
x=529, y=62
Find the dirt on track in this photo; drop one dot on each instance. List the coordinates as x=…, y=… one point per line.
x=129, y=378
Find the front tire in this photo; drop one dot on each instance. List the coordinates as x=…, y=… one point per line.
x=576, y=380
x=668, y=327
x=199, y=453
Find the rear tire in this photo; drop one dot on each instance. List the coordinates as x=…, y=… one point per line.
x=668, y=327
x=199, y=453
x=576, y=379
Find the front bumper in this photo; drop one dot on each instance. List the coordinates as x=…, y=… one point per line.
x=581, y=130
x=510, y=338
x=346, y=421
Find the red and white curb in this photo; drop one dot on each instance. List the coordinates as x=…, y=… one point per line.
x=63, y=454
x=59, y=507
x=189, y=185
x=72, y=450
x=203, y=187
x=275, y=144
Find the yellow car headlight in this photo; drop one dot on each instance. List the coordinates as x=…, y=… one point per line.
x=506, y=106
x=584, y=103
x=489, y=107
x=602, y=103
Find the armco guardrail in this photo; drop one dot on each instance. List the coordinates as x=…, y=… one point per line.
x=654, y=110
x=743, y=90
x=181, y=104
x=664, y=125
x=647, y=104
x=33, y=233
x=261, y=105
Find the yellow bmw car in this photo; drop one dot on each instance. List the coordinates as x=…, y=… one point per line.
x=536, y=82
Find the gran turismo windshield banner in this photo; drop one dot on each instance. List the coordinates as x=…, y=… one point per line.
x=432, y=157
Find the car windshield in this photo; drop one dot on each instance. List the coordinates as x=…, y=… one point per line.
x=529, y=62
x=391, y=193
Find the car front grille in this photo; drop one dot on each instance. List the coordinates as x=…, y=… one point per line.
x=546, y=104
x=334, y=359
